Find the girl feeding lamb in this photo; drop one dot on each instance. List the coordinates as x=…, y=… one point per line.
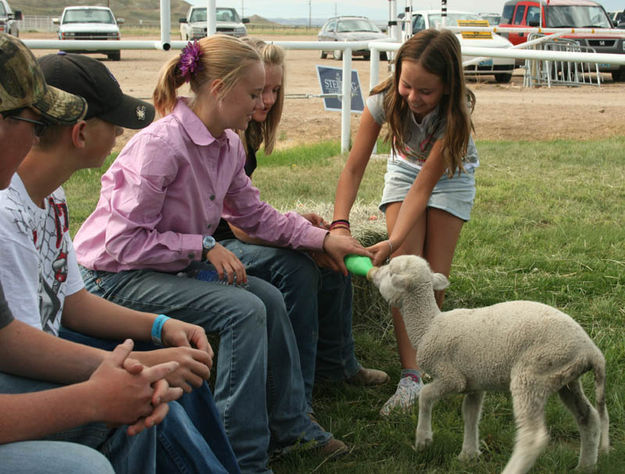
x=429, y=184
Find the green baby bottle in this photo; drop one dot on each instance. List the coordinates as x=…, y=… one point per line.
x=359, y=265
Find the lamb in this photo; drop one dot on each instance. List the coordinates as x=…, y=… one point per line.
x=528, y=348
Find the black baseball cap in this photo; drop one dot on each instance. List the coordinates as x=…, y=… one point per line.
x=89, y=78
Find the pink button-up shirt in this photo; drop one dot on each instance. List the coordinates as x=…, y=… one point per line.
x=167, y=189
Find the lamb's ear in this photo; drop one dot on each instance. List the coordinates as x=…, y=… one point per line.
x=439, y=281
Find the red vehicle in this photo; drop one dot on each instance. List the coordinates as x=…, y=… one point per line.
x=566, y=14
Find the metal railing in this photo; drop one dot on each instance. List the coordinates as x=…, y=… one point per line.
x=36, y=23
x=547, y=72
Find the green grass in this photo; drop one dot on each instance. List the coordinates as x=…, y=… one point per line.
x=547, y=225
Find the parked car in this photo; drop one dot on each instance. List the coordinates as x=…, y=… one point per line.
x=90, y=23
x=9, y=19
x=567, y=14
x=350, y=28
x=227, y=21
x=501, y=68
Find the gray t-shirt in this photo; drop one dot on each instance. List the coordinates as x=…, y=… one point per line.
x=5, y=313
x=421, y=136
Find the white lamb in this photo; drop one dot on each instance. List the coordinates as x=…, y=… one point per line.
x=530, y=349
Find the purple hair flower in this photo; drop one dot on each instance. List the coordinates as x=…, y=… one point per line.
x=190, y=60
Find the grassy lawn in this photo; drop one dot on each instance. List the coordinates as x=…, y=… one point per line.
x=547, y=225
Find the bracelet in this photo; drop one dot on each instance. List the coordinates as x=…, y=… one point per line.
x=390, y=244
x=341, y=221
x=157, y=329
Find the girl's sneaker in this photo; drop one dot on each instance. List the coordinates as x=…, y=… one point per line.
x=405, y=396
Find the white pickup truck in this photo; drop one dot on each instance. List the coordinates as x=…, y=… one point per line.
x=227, y=21
x=90, y=23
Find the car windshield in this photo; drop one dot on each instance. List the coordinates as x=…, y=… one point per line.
x=451, y=20
x=356, y=24
x=88, y=15
x=221, y=14
x=576, y=16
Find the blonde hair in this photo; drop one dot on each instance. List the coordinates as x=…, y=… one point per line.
x=223, y=57
x=259, y=132
x=438, y=52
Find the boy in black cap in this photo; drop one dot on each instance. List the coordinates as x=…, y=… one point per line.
x=35, y=235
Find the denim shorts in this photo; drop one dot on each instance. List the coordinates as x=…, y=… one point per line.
x=454, y=195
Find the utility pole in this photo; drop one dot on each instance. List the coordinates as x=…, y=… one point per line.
x=309, y=14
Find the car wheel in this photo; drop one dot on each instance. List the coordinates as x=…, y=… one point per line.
x=115, y=55
x=324, y=54
x=503, y=78
x=618, y=76
x=337, y=54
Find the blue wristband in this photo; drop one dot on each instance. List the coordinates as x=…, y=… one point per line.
x=157, y=329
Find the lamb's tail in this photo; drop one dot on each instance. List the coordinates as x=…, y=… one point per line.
x=598, y=364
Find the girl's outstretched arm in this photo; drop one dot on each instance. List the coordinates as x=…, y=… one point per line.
x=351, y=176
x=414, y=204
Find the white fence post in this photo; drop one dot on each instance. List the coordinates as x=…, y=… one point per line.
x=211, y=21
x=165, y=24
x=346, y=105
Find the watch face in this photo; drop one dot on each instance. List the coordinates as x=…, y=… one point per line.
x=208, y=242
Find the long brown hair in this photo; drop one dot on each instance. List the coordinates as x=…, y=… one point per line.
x=265, y=132
x=439, y=53
x=223, y=57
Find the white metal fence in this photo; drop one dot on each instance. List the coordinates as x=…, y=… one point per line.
x=544, y=72
x=37, y=23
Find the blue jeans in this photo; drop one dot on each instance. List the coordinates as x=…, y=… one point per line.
x=200, y=410
x=127, y=454
x=174, y=445
x=259, y=390
x=51, y=457
x=319, y=305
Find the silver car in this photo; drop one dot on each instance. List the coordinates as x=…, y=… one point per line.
x=349, y=28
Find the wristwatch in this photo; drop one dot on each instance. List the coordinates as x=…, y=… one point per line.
x=208, y=242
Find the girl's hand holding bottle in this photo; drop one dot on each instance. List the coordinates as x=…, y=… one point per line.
x=381, y=252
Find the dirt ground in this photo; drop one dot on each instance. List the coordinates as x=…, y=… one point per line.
x=503, y=112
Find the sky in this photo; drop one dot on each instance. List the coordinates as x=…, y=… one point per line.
x=374, y=9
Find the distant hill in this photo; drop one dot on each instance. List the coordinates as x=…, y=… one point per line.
x=131, y=10
x=259, y=20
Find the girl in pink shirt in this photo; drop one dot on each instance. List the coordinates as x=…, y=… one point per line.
x=149, y=244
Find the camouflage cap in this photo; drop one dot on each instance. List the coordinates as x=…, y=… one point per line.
x=22, y=85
